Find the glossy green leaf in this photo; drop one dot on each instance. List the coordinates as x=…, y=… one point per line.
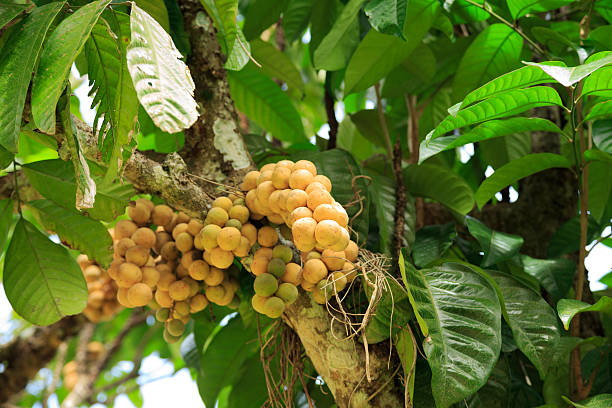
x=568, y=308
x=6, y=157
x=570, y=75
x=599, y=187
x=555, y=275
x=9, y=11
x=296, y=18
x=532, y=320
x=250, y=389
x=595, y=155
x=463, y=315
x=277, y=64
x=599, y=82
x=567, y=237
x=602, y=135
x=55, y=180
x=495, y=50
x=82, y=233
x=502, y=150
x=486, y=131
x=600, y=111
x=61, y=49
x=17, y=60
x=162, y=80
x=223, y=14
x=598, y=401
x=431, y=242
x=497, y=246
x=260, y=15
x=41, y=279
x=261, y=99
x=239, y=54
x=368, y=124
x=519, y=8
x=224, y=357
x=386, y=16
x=440, y=184
x=413, y=75
x=190, y=352
x=382, y=192
x=6, y=220
x=406, y=347
x=324, y=15
x=506, y=104
x=497, y=391
x=350, y=139
x=156, y=9
x=516, y=170
x=337, y=46
x=519, y=78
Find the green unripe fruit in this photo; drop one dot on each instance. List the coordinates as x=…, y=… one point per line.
x=276, y=267
x=285, y=231
x=274, y=307
x=265, y=284
x=175, y=327
x=232, y=222
x=238, y=201
x=287, y=292
x=162, y=314
x=170, y=338
x=283, y=252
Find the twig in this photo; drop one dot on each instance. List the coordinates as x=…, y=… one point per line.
x=57, y=372
x=331, y=114
x=383, y=122
x=598, y=241
x=247, y=51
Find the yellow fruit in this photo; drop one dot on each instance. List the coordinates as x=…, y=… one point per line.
x=274, y=201
x=307, y=165
x=282, y=199
x=217, y=215
x=194, y=226
x=250, y=232
x=163, y=298
x=198, y=270
x=146, y=202
x=300, y=212
x=206, y=257
x=243, y=247
x=161, y=215
x=179, y=290
x=220, y=258
x=280, y=177
x=300, y=179
x=181, y=308
x=351, y=251
x=162, y=314
x=232, y=222
x=303, y=231
x=267, y=236
x=222, y=202
x=92, y=273
x=341, y=217
x=122, y=297
x=128, y=275
x=179, y=229
x=258, y=303
x=197, y=303
x=170, y=338
x=161, y=237
x=327, y=233
x=318, y=297
x=267, y=253
x=339, y=281
x=215, y=294
x=125, y=229
x=323, y=180
x=275, y=219
x=268, y=167
x=274, y=307
x=175, y=327
x=228, y=238
x=165, y=280
x=113, y=269
x=194, y=286
x=264, y=190
x=349, y=271
x=208, y=236
x=169, y=251
x=314, y=270
x=137, y=255
x=144, y=237
x=315, y=185
x=182, y=218
x=163, y=268
x=293, y=274
x=190, y=256
x=214, y=277
x=259, y=265
x=295, y=199
x=307, y=286
x=184, y=242
x=264, y=176
x=139, y=213
x=150, y=276
x=140, y=294
x=344, y=240
x=250, y=181
x=123, y=245
x=331, y=212
x=239, y=212
x=334, y=260
x=318, y=197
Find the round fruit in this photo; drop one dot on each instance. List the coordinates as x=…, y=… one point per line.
x=161, y=237
x=264, y=190
x=162, y=314
x=265, y=175
x=328, y=232
x=214, y=277
x=161, y=215
x=259, y=265
x=250, y=181
x=293, y=274
x=287, y=292
x=169, y=251
x=222, y=202
x=276, y=267
x=307, y=286
x=303, y=231
x=300, y=179
x=341, y=244
x=129, y=274
x=314, y=270
x=122, y=297
x=333, y=260
x=221, y=258
x=340, y=281
x=280, y=177
x=125, y=229
x=198, y=270
x=150, y=276
x=215, y=293
x=351, y=251
x=323, y=180
x=184, y=242
x=274, y=307
x=318, y=197
x=283, y=252
x=318, y=297
x=163, y=298
x=267, y=236
x=139, y=213
x=258, y=303
x=300, y=212
x=243, y=247
x=268, y=253
x=217, y=215
x=274, y=201
x=349, y=271
x=250, y=232
x=234, y=223
x=123, y=245
x=92, y=273
x=208, y=235
x=169, y=338
x=175, y=327
x=197, y=303
x=179, y=229
x=228, y=238
x=179, y=290
x=265, y=284
x=307, y=165
x=296, y=198
x=140, y=294
x=165, y=280
x=239, y=212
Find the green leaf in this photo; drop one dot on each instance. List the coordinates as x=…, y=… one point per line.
x=223, y=359
x=516, y=170
x=495, y=50
x=519, y=78
x=55, y=180
x=6, y=157
x=296, y=18
x=599, y=82
x=405, y=345
x=277, y=64
x=506, y=104
x=555, y=275
x=17, y=61
x=61, y=49
x=341, y=167
x=223, y=14
x=41, y=279
x=599, y=187
x=440, y=184
x=79, y=232
x=598, y=401
x=595, y=155
x=157, y=10
x=260, y=15
x=599, y=111
x=368, y=124
x=413, y=75
x=9, y=11
x=190, y=352
x=519, y=8
x=162, y=81
x=337, y=46
x=568, y=308
x=324, y=15
x=350, y=139
x=570, y=75
x=463, y=315
x=497, y=246
x=382, y=192
x=6, y=220
x=238, y=56
x=502, y=150
x=431, y=242
x=566, y=239
x=533, y=322
x=496, y=392
x=250, y=389
x=261, y=99
x=602, y=135
x=386, y=16
x=486, y=131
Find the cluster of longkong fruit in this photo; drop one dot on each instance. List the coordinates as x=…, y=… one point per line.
x=177, y=264
x=102, y=304
x=70, y=369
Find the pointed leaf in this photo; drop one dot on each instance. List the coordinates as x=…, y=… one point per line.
x=485, y=131
x=296, y=18
x=260, y=15
x=598, y=401
x=497, y=246
x=602, y=135
x=599, y=111
x=61, y=49
x=337, y=46
x=41, y=279
x=519, y=78
x=502, y=150
x=6, y=220
x=516, y=170
x=17, y=60
x=386, y=16
x=277, y=64
x=595, y=155
x=156, y=9
x=533, y=322
x=519, y=8
x=568, y=308
x=261, y=99
x=463, y=314
x=162, y=81
x=495, y=50
x=599, y=187
x=406, y=347
x=566, y=239
x=239, y=55
x=250, y=389
x=599, y=82
x=570, y=75
x=9, y=11
x=431, y=242
x=440, y=184
x=555, y=275
x=82, y=233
